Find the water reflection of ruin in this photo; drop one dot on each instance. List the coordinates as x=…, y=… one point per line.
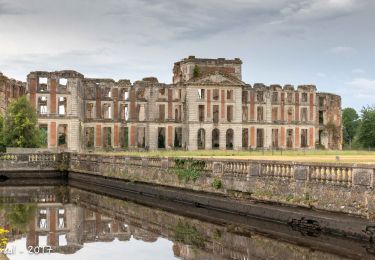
x=66, y=219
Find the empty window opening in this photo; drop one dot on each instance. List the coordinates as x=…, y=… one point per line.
x=289, y=97
x=321, y=101
x=201, y=139
x=215, y=94
x=124, y=137
x=260, y=96
x=275, y=138
x=320, y=140
x=201, y=113
x=63, y=81
x=42, y=219
x=162, y=91
x=107, y=137
x=245, y=138
x=177, y=113
x=107, y=111
x=62, y=105
x=62, y=135
x=245, y=96
x=42, y=105
x=141, y=137
x=61, y=218
x=162, y=112
x=304, y=97
x=215, y=139
x=178, y=137
x=124, y=94
x=290, y=114
x=89, y=137
x=229, y=113
x=245, y=113
x=124, y=112
x=43, y=135
x=215, y=117
x=304, y=114
x=201, y=93
x=161, y=137
x=229, y=139
x=260, y=113
x=229, y=94
x=260, y=138
x=289, y=138
x=321, y=117
x=89, y=110
x=107, y=92
x=43, y=80
x=275, y=96
x=275, y=114
x=303, y=138
x=141, y=112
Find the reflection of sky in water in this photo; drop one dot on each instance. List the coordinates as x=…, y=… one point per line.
x=132, y=249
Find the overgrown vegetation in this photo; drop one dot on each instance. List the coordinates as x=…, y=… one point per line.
x=188, y=235
x=19, y=215
x=196, y=71
x=188, y=169
x=19, y=127
x=217, y=184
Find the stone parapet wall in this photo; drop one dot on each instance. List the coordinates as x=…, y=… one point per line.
x=335, y=187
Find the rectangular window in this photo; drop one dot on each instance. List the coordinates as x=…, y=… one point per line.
x=244, y=113
x=215, y=94
x=303, y=137
x=260, y=138
x=124, y=137
x=275, y=138
x=161, y=112
x=201, y=113
x=141, y=137
x=245, y=96
x=304, y=114
x=275, y=114
x=229, y=113
x=321, y=101
x=260, y=113
x=260, y=96
x=304, y=97
x=215, y=114
x=201, y=93
x=229, y=94
x=275, y=96
x=289, y=97
x=321, y=117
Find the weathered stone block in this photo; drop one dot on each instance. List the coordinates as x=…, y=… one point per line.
x=301, y=173
x=164, y=163
x=218, y=167
x=362, y=177
x=254, y=169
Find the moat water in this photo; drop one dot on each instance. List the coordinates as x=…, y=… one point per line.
x=65, y=222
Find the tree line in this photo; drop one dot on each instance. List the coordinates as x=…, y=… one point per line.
x=359, y=130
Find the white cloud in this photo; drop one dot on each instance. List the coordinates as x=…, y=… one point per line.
x=362, y=87
x=321, y=74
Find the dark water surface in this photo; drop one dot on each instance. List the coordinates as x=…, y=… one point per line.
x=63, y=222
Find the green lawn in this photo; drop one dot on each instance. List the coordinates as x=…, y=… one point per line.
x=308, y=155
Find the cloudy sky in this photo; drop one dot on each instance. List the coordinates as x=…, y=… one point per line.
x=329, y=43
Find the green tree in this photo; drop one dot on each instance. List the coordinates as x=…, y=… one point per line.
x=366, y=131
x=2, y=145
x=350, y=120
x=19, y=215
x=20, y=125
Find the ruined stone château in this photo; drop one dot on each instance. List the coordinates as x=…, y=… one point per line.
x=208, y=106
x=9, y=89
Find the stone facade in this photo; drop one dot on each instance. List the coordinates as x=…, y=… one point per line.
x=9, y=89
x=207, y=106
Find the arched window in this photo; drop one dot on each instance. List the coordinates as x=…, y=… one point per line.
x=201, y=138
x=215, y=139
x=229, y=139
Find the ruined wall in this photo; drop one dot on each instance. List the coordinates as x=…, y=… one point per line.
x=10, y=89
x=211, y=110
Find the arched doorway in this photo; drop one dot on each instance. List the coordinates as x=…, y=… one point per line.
x=201, y=139
x=229, y=139
x=215, y=139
